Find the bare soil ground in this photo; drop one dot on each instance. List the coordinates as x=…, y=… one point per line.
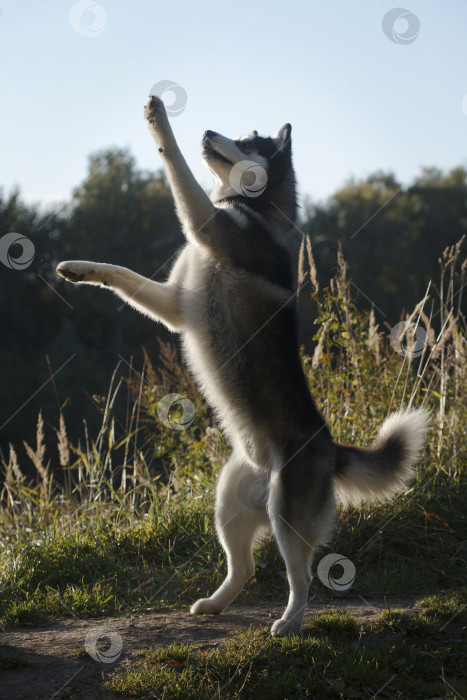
x=51, y=669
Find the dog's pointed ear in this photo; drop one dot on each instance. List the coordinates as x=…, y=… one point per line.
x=283, y=139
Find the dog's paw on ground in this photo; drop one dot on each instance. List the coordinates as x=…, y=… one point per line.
x=283, y=628
x=205, y=606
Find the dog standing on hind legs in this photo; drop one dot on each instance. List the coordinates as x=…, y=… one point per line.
x=231, y=296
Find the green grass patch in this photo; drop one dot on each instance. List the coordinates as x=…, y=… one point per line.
x=329, y=665
x=79, y=653
x=451, y=605
x=105, y=564
x=336, y=622
x=103, y=567
x=406, y=623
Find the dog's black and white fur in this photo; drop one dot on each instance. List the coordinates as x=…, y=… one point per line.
x=231, y=296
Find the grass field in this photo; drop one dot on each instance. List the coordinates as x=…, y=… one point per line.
x=335, y=657
x=125, y=526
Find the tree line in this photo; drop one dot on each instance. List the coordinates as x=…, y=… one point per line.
x=59, y=345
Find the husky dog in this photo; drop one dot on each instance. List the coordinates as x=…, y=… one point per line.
x=231, y=296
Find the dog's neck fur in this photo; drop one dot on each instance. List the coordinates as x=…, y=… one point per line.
x=277, y=206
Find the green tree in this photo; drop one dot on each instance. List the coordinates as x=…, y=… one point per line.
x=392, y=236
x=120, y=215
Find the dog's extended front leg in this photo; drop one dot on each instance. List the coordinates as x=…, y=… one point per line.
x=160, y=301
x=195, y=209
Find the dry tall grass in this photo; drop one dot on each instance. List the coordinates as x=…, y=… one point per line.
x=355, y=374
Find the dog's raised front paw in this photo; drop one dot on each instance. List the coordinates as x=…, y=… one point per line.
x=156, y=116
x=77, y=271
x=284, y=627
x=205, y=606
x=154, y=113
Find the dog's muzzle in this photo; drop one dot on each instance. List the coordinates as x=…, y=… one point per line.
x=209, y=135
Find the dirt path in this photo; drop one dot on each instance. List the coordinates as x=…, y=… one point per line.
x=50, y=671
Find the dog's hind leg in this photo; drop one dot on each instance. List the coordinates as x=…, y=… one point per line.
x=240, y=513
x=299, y=522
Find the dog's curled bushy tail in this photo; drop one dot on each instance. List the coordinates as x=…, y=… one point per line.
x=377, y=473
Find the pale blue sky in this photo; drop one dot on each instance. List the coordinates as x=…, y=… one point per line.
x=357, y=101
